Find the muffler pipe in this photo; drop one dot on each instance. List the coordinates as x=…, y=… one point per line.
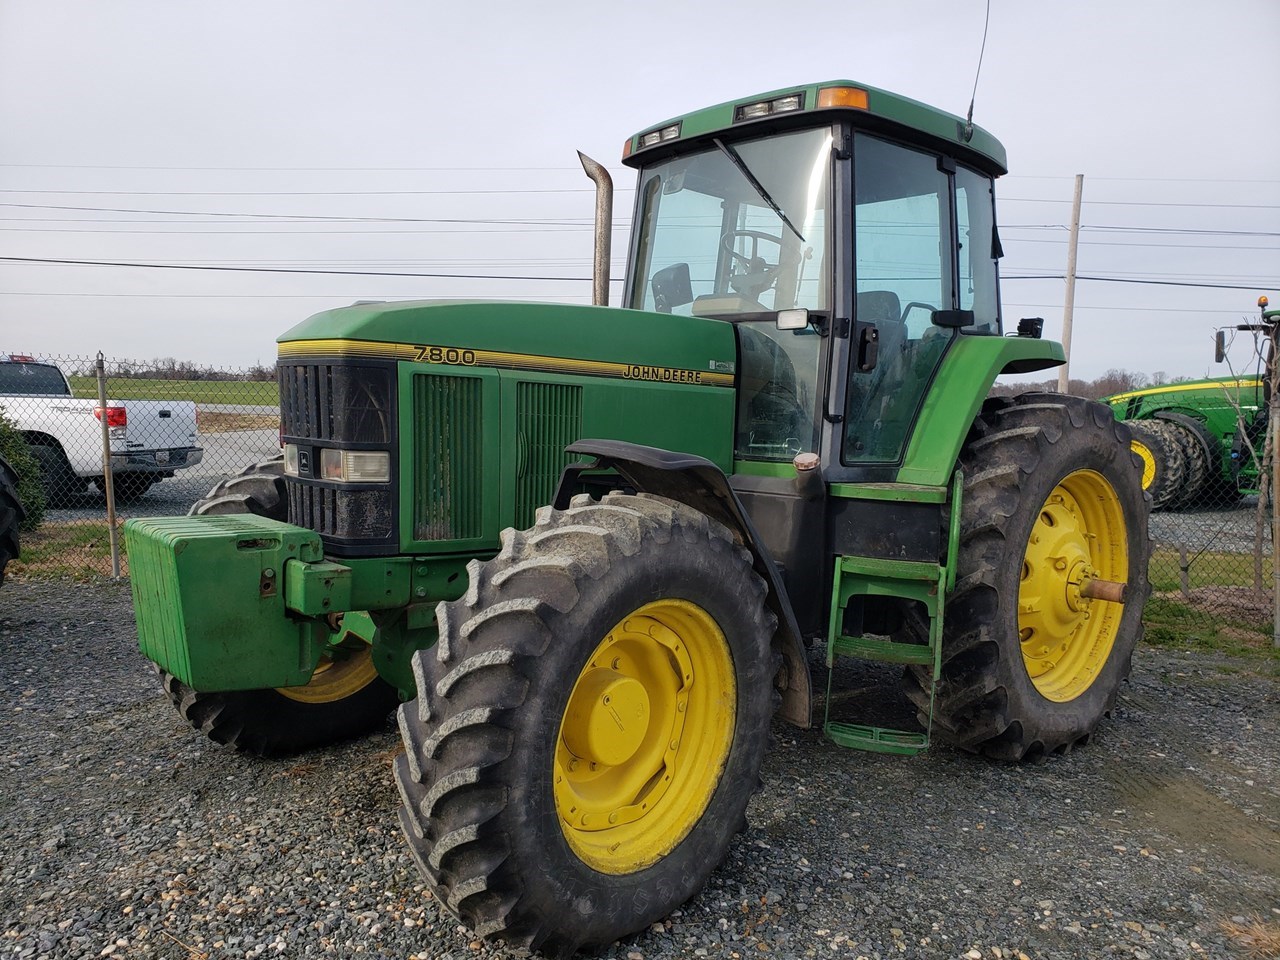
x=604, y=229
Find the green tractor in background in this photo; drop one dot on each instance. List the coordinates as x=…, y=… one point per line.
x=587, y=549
x=1200, y=440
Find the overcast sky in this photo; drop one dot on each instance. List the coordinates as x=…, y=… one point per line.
x=439, y=138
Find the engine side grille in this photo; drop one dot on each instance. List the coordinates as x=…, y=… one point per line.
x=448, y=482
x=548, y=418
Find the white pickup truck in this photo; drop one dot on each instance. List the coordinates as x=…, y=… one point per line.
x=150, y=439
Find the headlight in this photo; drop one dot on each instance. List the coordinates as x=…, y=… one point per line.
x=291, y=459
x=355, y=466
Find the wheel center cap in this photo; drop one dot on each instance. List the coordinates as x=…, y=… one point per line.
x=607, y=718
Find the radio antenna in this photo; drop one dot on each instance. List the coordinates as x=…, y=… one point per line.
x=968, y=120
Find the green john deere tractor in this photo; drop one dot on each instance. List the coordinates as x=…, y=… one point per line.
x=1200, y=441
x=586, y=549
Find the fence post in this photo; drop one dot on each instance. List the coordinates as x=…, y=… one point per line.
x=1184, y=568
x=108, y=481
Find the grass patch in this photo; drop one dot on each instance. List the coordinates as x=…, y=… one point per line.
x=1212, y=569
x=1235, y=622
x=78, y=550
x=249, y=392
x=1256, y=937
x=208, y=422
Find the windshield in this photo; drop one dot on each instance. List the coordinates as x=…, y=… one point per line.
x=738, y=228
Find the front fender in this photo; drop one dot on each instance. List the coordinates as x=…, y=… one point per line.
x=702, y=485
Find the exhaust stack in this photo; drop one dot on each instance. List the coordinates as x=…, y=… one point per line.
x=604, y=229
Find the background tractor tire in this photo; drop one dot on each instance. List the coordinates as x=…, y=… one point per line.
x=1052, y=492
x=540, y=812
x=11, y=515
x=345, y=698
x=1195, y=450
x=1163, y=463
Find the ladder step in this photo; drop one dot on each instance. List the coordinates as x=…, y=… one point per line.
x=876, y=739
x=885, y=650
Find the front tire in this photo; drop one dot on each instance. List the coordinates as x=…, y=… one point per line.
x=590, y=725
x=11, y=515
x=345, y=698
x=1052, y=499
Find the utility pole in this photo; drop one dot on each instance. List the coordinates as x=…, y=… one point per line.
x=1064, y=371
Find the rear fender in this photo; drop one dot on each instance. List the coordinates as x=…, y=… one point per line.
x=699, y=483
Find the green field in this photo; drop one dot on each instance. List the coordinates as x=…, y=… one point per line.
x=248, y=392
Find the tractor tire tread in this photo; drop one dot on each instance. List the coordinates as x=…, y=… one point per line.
x=980, y=705
x=461, y=762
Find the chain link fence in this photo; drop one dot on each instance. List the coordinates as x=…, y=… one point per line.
x=174, y=430
x=169, y=431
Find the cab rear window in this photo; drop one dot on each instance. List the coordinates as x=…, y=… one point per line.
x=27, y=379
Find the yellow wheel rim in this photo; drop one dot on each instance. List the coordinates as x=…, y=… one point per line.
x=1079, y=535
x=336, y=679
x=1148, y=462
x=644, y=737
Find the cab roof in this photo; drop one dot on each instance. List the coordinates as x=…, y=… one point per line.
x=798, y=104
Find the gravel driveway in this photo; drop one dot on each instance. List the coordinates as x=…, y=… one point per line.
x=126, y=834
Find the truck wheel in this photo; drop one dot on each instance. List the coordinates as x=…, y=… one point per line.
x=345, y=698
x=1163, y=463
x=1196, y=451
x=1052, y=497
x=590, y=725
x=129, y=487
x=62, y=488
x=11, y=515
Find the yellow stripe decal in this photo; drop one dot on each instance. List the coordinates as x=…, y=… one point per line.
x=1182, y=387
x=466, y=357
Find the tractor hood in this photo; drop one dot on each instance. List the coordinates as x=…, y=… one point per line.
x=551, y=338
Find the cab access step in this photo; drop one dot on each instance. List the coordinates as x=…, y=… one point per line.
x=925, y=583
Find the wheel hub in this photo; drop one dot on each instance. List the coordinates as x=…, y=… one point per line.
x=1078, y=536
x=644, y=736
x=607, y=718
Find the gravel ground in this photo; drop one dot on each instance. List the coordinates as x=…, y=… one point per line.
x=126, y=834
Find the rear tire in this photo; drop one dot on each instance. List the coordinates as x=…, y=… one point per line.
x=1028, y=666
x=538, y=812
x=1163, y=463
x=62, y=488
x=129, y=487
x=1195, y=449
x=345, y=698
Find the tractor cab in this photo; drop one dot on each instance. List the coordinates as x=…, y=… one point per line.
x=849, y=259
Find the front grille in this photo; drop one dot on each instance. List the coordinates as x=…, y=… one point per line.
x=334, y=512
x=342, y=402
x=448, y=496
x=339, y=405
x=548, y=418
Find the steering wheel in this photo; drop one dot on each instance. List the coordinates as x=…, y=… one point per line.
x=758, y=274
x=914, y=304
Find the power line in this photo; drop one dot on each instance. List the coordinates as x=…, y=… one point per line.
x=304, y=193
x=1154, y=283
x=1146, y=203
x=268, y=216
x=287, y=270
x=100, y=166
x=477, y=276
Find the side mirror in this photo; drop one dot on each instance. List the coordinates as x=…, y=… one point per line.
x=1220, y=346
x=952, y=319
x=671, y=287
